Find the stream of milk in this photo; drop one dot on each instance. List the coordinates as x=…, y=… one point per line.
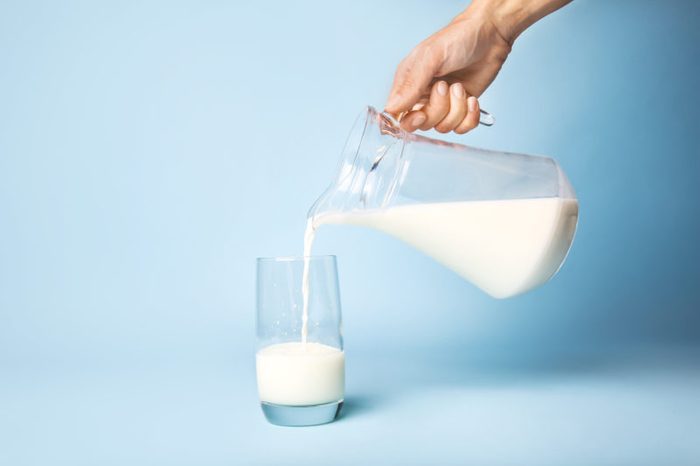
x=309, y=235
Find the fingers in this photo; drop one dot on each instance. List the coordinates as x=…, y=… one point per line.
x=471, y=121
x=413, y=120
x=449, y=108
x=437, y=107
x=430, y=111
x=458, y=109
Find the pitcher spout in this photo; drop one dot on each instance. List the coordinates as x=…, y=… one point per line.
x=367, y=169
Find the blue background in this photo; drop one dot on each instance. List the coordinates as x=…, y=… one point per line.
x=149, y=151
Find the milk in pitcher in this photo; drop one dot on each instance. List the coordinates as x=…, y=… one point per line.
x=505, y=247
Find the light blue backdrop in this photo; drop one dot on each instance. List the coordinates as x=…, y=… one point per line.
x=149, y=151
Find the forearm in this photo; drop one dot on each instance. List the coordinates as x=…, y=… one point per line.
x=512, y=17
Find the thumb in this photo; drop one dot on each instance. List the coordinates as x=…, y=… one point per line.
x=411, y=81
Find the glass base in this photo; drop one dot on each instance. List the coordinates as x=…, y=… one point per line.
x=297, y=416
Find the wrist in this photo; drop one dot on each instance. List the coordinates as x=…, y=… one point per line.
x=511, y=17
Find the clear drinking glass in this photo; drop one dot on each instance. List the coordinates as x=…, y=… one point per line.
x=300, y=371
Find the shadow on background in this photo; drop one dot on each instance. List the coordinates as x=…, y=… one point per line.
x=362, y=404
x=402, y=376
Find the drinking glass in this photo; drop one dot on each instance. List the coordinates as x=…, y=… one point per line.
x=300, y=374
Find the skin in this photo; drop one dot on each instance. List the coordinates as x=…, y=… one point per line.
x=437, y=85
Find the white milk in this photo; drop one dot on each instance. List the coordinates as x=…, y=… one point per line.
x=309, y=235
x=505, y=247
x=300, y=374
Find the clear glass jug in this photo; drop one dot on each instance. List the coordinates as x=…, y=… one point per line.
x=503, y=221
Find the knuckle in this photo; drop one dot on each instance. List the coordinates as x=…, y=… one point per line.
x=404, y=64
x=407, y=81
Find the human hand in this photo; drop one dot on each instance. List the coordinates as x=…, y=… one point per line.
x=437, y=84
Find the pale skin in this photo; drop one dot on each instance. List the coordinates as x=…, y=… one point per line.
x=438, y=84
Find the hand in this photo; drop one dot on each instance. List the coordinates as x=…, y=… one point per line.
x=437, y=84
x=439, y=81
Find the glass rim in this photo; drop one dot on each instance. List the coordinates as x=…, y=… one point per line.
x=297, y=258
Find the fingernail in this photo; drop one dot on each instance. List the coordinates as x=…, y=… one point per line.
x=457, y=90
x=471, y=104
x=442, y=88
x=418, y=120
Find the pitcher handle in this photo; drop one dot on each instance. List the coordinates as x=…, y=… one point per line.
x=485, y=118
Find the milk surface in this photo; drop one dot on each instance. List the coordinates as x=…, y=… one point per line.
x=505, y=247
x=300, y=374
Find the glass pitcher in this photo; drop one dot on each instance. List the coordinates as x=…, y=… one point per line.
x=503, y=221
